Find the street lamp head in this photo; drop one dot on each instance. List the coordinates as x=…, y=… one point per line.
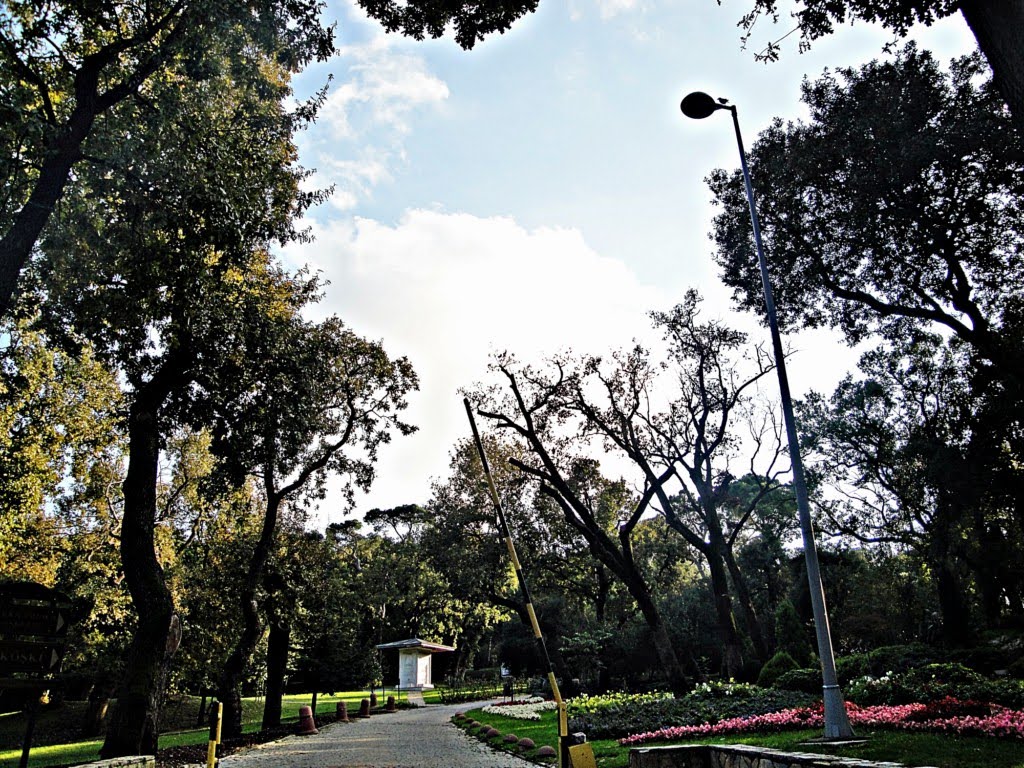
x=699, y=105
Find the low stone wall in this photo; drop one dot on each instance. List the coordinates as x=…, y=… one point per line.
x=739, y=756
x=134, y=761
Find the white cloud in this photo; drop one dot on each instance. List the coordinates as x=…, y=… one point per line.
x=446, y=290
x=383, y=82
x=366, y=118
x=612, y=8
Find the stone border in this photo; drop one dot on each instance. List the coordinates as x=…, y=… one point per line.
x=143, y=761
x=740, y=756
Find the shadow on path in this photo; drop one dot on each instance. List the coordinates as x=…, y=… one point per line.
x=410, y=738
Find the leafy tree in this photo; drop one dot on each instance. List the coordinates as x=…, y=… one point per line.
x=76, y=76
x=908, y=452
x=997, y=26
x=901, y=198
x=907, y=465
x=212, y=542
x=162, y=268
x=464, y=543
x=58, y=435
x=678, y=425
x=307, y=401
x=575, y=484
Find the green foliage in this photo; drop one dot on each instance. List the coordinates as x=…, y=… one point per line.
x=619, y=715
x=803, y=680
x=471, y=21
x=457, y=692
x=791, y=634
x=590, y=704
x=856, y=204
x=59, y=446
x=882, y=661
x=932, y=682
x=777, y=665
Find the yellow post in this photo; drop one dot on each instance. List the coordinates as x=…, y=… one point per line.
x=563, y=726
x=216, y=711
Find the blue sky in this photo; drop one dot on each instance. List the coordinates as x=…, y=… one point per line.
x=541, y=191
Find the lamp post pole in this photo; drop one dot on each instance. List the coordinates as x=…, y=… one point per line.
x=837, y=724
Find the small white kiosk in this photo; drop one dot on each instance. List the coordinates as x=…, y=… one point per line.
x=414, y=667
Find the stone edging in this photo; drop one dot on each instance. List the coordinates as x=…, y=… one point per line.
x=140, y=761
x=740, y=756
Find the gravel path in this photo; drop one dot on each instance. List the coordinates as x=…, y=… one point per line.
x=409, y=738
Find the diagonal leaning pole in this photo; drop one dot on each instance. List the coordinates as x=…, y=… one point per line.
x=563, y=724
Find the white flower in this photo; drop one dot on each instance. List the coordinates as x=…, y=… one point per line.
x=527, y=711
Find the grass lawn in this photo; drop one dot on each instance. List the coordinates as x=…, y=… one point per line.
x=893, y=746
x=56, y=743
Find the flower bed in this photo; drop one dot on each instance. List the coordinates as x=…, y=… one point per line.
x=618, y=715
x=950, y=716
x=526, y=711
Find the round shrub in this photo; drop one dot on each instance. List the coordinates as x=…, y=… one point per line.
x=778, y=664
x=525, y=743
x=511, y=738
x=804, y=680
x=492, y=732
x=898, y=658
x=545, y=751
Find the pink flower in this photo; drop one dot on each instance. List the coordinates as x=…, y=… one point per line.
x=1001, y=722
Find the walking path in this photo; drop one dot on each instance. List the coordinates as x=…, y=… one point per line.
x=410, y=738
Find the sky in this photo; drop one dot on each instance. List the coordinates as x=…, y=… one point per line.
x=540, y=192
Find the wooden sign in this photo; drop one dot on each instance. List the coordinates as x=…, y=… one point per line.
x=33, y=631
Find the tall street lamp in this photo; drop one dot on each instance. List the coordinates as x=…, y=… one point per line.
x=699, y=105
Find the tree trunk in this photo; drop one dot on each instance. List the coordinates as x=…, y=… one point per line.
x=278, y=644
x=99, y=701
x=20, y=238
x=677, y=680
x=998, y=26
x=133, y=726
x=956, y=614
x=230, y=683
x=604, y=588
x=750, y=617
x=732, y=646
x=953, y=602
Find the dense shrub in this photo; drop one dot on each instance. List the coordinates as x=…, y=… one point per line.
x=792, y=635
x=620, y=715
x=882, y=661
x=457, y=693
x=801, y=680
x=778, y=664
x=985, y=658
x=933, y=682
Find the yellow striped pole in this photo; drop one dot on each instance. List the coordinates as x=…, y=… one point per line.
x=216, y=713
x=563, y=721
